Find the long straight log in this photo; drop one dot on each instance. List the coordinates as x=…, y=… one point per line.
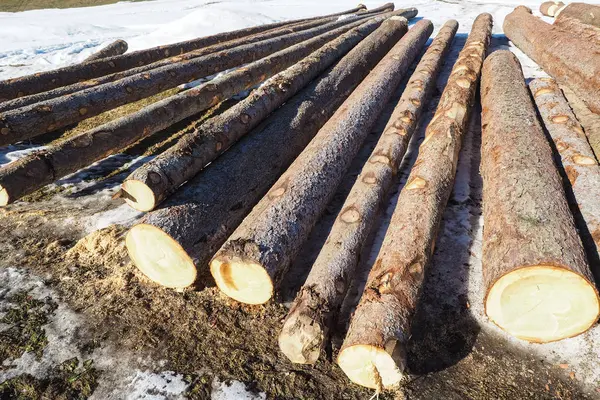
x=538, y=284
x=192, y=224
x=589, y=121
x=157, y=179
x=306, y=328
x=374, y=351
x=586, y=13
x=549, y=8
x=36, y=119
x=44, y=81
x=569, y=59
x=271, y=235
x=115, y=48
x=38, y=169
x=578, y=28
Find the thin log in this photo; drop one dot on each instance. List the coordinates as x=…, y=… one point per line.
x=374, y=350
x=154, y=181
x=306, y=328
x=578, y=28
x=38, y=169
x=39, y=118
x=116, y=48
x=44, y=81
x=193, y=223
x=589, y=121
x=549, y=8
x=586, y=13
x=569, y=59
x=272, y=234
x=538, y=284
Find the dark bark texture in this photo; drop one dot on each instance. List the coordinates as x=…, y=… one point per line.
x=116, y=48
x=589, y=121
x=586, y=13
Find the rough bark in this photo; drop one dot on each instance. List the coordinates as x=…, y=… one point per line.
x=272, y=234
x=200, y=216
x=586, y=13
x=569, y=59
x=578, y=28
x=529, y=230
x=306, y=327
x=589, y=121
x=381, y=322
x=39, y=118
x=157, y=179
x=116, y=48
x=549, y=8
x=44, y=81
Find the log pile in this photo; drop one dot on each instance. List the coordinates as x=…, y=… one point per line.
x=550, y=8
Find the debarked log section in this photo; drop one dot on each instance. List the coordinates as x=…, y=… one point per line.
x=374, y=350
x=306, y=328
x=550, y=8
x=538, y=284
x=171, y=243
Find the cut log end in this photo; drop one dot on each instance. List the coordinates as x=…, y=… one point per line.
x=369, y=366
x=301, y=339
x=246, y=282
x=4, y=198
x=160, y=257
x=138, y=195
x=543, y=303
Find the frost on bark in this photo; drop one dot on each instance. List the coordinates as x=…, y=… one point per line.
x=589, y=121
x=116, y=48
x=586, y=13
x=550, y=8
x=575, y=27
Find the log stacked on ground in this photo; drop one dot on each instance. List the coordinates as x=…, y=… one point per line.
x=586, y=13
x=589, y=120
x=116, y=48
x=264, y=245
x=538, y=284
x=374, y=351
x=571, y=60
x=306, y=327
x=192, y=224
x=550, y=8
x=578, y=28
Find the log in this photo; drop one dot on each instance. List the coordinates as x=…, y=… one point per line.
x=306, y=328
x=39, y=118
x=41, y=168
x=154, y=181
x=538, y=284
x=549, y=8
x=374, y=351
x=569, y=59
x=586, y=13
x=116, y=48
x=578, y=28
x=44, y=81
x=270, y=236
x=589, y=121
x=193, y=223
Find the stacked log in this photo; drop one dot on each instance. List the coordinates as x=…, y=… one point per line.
x=550, y=8
x=586, y=13
x=116, y=48
x=570, y=60
x=269, y=238
x=589, y=121
x=306, y=327
x=578, y=28
x=193, y=223
x=374, y=350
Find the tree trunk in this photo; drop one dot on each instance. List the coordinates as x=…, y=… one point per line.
x=154, y=181
x=578, y=28
x=570, y=60
x=538, y=284
x=586, y=13
x=549, y=8
x=271, y=235
x=116, y=48
x=38, y=169
x=44, y=81
x=589, y=120
x=374, y=351
x=36, y=119
x=193, y=223
x=306, y=327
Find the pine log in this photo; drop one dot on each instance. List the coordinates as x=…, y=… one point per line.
x=193, y=223
x=538, y=284
x=271, y=235
x=44, y=81
x=38, y=169
x=550, y=8
x=589, y=121
x=39, y=118
x=578, y=28
x=374, y=351
x=307, y=325
x=570, y=60
x=116, y=48
x=586, y=13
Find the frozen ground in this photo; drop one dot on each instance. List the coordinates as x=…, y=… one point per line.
x=45, y=39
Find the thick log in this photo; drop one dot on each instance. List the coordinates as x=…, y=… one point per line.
x=374, y=350
x=116, y=48
x=38, y=169
x=157, y=179
x=569, y=59
x=550, y=8
x=589, y=121
x=586, y=13
x=272, y=234
x=39, y=118
x=578, y=28
x=306, y=328
x=538, y=284
x=193, y=223
x=44, y=81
